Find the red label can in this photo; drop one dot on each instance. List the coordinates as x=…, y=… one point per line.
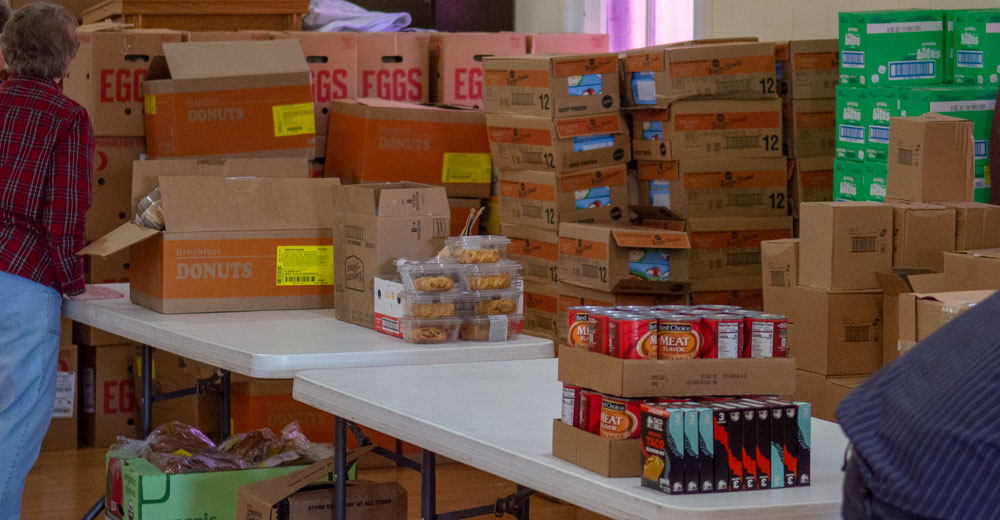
x=723, y=336
x=678, y=337
x=581, y=331
x=590, y=411
x=768, y=335
x=602, y=334
x=620, y=418
x=632, y=336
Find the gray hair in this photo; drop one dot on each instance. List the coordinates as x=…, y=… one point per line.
x=40, y=40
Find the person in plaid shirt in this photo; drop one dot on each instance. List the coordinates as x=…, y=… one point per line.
x=46, y=155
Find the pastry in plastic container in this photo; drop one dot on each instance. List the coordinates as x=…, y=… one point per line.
x=503, y=301
x=430, y=330
x=501, y=327
x=478, y=249
x=489, y=277
x=430, y=305
x=431, y=276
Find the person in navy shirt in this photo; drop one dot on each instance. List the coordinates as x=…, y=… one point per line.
x=925, y=429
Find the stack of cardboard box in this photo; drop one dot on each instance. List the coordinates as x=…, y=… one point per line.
x=808, y=72
x=908, y=72
x=707, y=135
x=560, y=145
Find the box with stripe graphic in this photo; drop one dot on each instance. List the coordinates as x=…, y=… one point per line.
x=881, y=47
x=717, y=188
x=975, y=46
x=852, y=125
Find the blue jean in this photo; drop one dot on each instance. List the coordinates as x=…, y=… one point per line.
x=29, y=352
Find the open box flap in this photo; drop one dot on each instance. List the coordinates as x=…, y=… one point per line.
x=640, y=237
x=120, y=239
x=904, y=280
x=192, y=204
x=393, y=199
x=955, y=298
x=234, y=58
x=985, y=253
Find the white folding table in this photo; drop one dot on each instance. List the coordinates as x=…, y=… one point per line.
x=498, y=416
x=272, y=344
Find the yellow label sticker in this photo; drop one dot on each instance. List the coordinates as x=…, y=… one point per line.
x=149, y=104
x=986, y=173
x=181, y=453
x=305, y=265
x=294, y=120
x=467, y=167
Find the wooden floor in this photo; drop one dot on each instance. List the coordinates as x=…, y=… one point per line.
x=63, y=485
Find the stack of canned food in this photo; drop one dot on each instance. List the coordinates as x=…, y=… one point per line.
x=678, y=332
x=474, y=293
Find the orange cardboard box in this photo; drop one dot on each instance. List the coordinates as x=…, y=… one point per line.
x=107, y=74
x=552, y=86
x=459, y=209
x=598, y=256
x=108, y=406
x=456, y=61
x=566, y=43
x=375, y=140
x=333, y=70
x=254, y=93
x=393, y=66
x=562, y=145
x=544, y=199
x=229, y=237
x=112, y=183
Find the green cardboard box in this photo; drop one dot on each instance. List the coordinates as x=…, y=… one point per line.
x=975, y=46
x=874, y=185
x=881, y=47
x=982, y=193
x=851, y=122
x=138, y=490
x=967, y=102
x=881, y=105
x=848, y=179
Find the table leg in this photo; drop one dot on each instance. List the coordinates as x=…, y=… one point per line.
x=428, y=486
x=147, y=390
x=399, y=451
x=225, y=413
x=340, y=468
x=95, y=510
x=524, y=510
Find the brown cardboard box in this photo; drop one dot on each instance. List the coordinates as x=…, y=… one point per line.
x=726, y=247
x=676, y=377
x=972, y=270
x=540, y=85
x=65, y=331
x=256, y=93
x=810, y=69
x=920, y=233
x=459, y=211
x=976, y=225
x=709, y=129
x=562, y=145
x=780, y=262
x=920, y=314
x=843, y=244
x=77, y=7
x=107, y=74
x=731, y=70
x=374, y=140
x=113, y=269
x=109, y=406
x=610, y=458
x=544, y=199
x=598, y=256
x=836, y=333
x=713, y=188
x=930, y=158
x=566, y=43
x=230, y=36
x=457, y=61
x=62, y=433
x=629, y=292
x=172, y=373
x=893, y=284
x=812, y=181
x=374, y=225
x=333, y=71
x=198, y=16
x=243, y=220
x=112, y=183
x=394, y=66
x=824, y=393
x=541, y=309
x=744, y=292
x=810, y=127
x=536, y=249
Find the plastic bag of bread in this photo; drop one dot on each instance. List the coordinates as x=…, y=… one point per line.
x=183, y=462
x=173, y=436
x=251, y=448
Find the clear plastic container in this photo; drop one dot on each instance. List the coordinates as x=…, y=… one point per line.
x=432, y=276
x=430, y=330
x=430, y=305
x=490, y=277
x=486, y=303
x=501, y=327
x=479, y=249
